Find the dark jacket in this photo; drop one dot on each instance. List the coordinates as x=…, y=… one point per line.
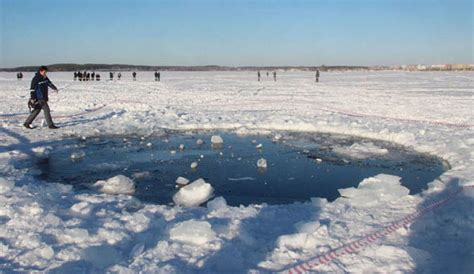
x=39, y=87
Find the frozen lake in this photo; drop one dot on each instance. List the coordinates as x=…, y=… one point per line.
x=63, y=228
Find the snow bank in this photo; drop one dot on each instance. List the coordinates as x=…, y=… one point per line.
x=119, y=184
x=193, y=194
x=192, y=232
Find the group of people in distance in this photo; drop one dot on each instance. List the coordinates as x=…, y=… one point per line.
x=19, y=75
x=259, y=76
x=274, y=75
x=86, y=76
x=91, y=76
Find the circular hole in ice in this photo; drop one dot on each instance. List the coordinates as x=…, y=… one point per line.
x=299, y=166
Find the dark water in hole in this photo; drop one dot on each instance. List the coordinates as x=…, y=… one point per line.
x=300, y=166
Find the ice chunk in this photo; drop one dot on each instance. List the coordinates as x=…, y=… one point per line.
x=199, y=142
x=216, y=204
x=262, y=163
x=259, y=146
x=141, y=175
x=361, y=151
x=193, y=194
x=277, y=137
x=194, y=165
x=82, y=208
x=192, y=232
x=5, y=185
x=119, y=184
x=42, y=152
x=46, y=252
x=181, y=181
x=371, y=191
x=217, y=140
x=77, y=156
x=181, y=147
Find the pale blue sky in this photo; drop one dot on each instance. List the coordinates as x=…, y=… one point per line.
x=225, y=32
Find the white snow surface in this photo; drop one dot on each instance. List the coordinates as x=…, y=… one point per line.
x=51, y=227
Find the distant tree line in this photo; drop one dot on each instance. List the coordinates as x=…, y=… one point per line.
x=124, y=67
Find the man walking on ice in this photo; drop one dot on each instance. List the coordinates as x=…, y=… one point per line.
x=39, y=98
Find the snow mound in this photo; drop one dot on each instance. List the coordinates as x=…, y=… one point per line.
x=119, y=184
x=371, y=191
x=193, y=194
x=5, y=185
x=192, y=232
x=360, y=151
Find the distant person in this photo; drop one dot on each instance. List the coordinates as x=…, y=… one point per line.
x=97, y=77
x=88, y=76
x=317, y=75
x=258, y=75
x=134, y=75
x=93, y=76
x=75, y=75
x=157, y=76
x=274, y=76
x=39, y=98
x=111, y=74
x=267, y=74
x=119, y=75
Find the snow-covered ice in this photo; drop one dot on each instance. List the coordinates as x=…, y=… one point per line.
x=51, y=227
x=192, y=232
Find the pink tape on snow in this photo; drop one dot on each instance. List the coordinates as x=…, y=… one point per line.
x=358, y=245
